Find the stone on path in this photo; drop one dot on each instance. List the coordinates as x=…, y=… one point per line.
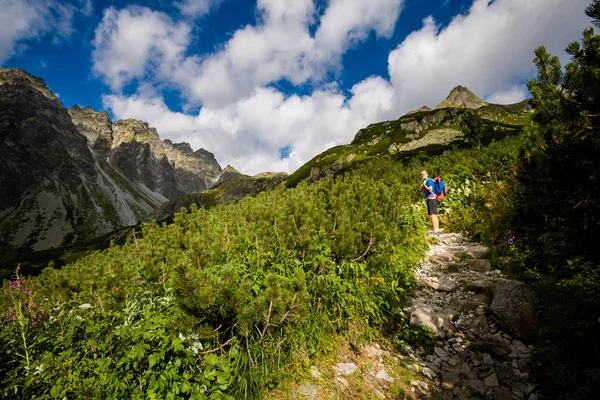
x=476, y=387
x=477, y=251
x=422, y=315
x=479, y=325
x=442, y=285
x=450, y=380
x=504, y=394
x=441, y=258
x=464, y=306
x=428, y=372
x=478, y=265
x=491, y=381
x=481, y=285
x=514, y=303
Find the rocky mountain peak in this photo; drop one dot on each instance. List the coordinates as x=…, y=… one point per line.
x=17, y=76
x=54, y=190
x=95, y=126
x=228, y=174
x=183, y=147
x=461, y=97
x=136, y=150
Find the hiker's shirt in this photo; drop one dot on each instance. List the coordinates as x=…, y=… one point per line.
x=426, y=193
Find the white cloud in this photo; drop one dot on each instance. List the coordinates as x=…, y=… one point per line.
x=25, y=20
x=196, y=8
x=129, y=42
x=279, y=46
x=513, y=95
x=487, y=49
x=249, y=133
x=86, y=7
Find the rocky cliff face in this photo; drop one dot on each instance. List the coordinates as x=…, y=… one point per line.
x=54, y=190
x=136, y=150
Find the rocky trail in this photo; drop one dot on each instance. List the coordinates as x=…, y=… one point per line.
x=483, y=321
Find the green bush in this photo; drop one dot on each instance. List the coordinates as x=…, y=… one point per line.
x=260, y=283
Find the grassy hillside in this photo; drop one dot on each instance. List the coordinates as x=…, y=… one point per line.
x=226, y=301
x=412, y=135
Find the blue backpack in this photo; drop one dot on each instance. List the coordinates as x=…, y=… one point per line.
x=439, y=188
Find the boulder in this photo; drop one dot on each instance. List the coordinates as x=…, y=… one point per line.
x=514, y=303
x=478, y=265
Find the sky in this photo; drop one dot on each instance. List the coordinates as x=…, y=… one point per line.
x=266, y=85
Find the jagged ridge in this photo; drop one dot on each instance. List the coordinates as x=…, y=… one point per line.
x=136, y=150
x=55, y=192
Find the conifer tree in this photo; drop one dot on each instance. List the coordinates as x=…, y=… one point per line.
x=472, y=126
x=558, y=211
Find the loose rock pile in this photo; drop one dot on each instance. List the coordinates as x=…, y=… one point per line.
x=465, y=303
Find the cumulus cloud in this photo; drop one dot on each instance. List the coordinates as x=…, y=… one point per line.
x=487, y=49
x=132, y=41
x=244, y=122
x=25, y=20
x=279, y=46
x=249, y=133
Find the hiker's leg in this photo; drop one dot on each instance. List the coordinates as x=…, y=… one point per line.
x=432, y=211
x=435, y=222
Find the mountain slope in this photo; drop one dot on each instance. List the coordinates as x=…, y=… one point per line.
x=136, y=150
x=421, y=131
x=55, y=191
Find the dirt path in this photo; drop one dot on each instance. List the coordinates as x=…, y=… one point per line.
x=476, y=357
x=471, y=307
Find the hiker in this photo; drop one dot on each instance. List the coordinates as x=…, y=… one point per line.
x=430, y=199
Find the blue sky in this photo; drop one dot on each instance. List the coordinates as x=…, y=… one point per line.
x=268, y=84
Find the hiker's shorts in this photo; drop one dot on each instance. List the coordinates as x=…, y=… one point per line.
x=431, y=206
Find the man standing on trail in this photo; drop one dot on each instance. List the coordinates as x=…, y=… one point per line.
x=430, y=199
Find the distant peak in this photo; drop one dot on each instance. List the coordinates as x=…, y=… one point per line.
x=461, y=97
x=460, y=88
x=183, y=147
x=424, y=108
x=230, y=169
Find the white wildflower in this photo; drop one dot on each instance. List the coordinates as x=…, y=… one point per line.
x=196, y=347
x=85, y=306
